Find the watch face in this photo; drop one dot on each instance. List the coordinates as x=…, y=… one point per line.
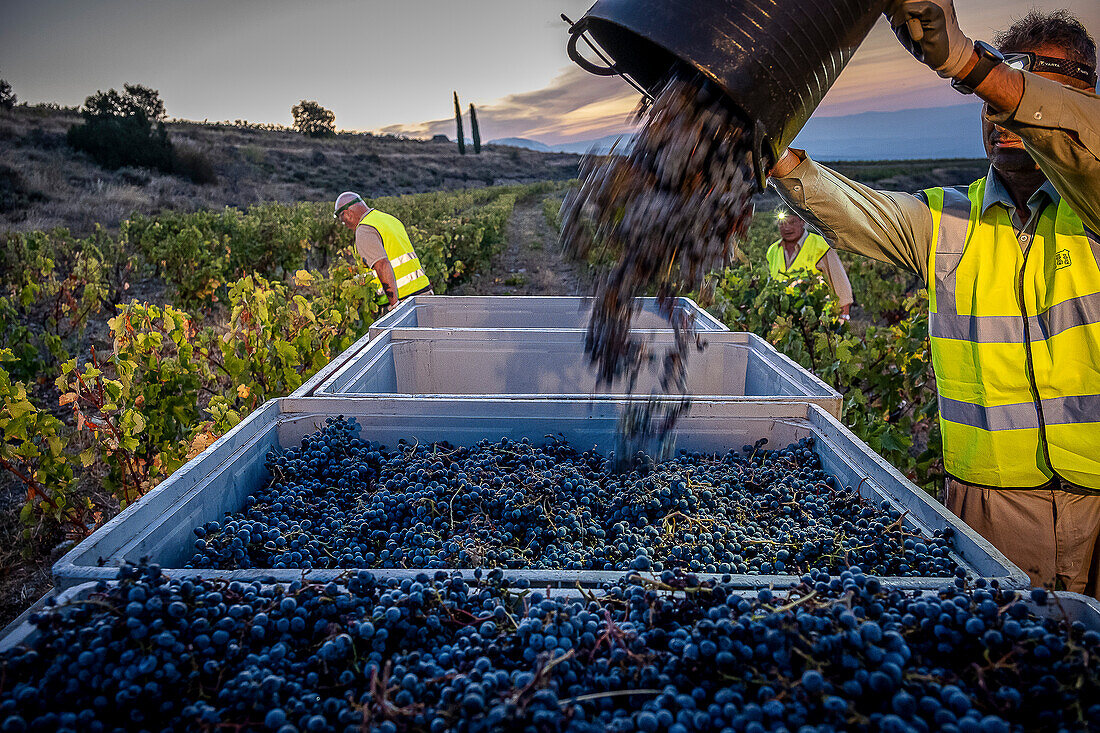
x=984, y=49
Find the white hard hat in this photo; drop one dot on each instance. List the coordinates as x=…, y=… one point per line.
x=346, y=198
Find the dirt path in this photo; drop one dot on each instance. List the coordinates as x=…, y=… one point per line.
x=532, y=262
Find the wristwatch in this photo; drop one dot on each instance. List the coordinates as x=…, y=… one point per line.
x=988, y=58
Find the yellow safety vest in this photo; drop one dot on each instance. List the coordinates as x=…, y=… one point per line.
x=1019, y=387
x=399, y=251
x=813, y=249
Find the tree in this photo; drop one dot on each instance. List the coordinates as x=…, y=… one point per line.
x=313, y=120
x=458, y=123
x=135, y=101
x=474, y=129
x=122, y=129
x=147, y=100
x=7, y=96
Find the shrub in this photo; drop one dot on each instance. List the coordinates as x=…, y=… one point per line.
x=193, y=163
x=32, y=449
x=7, y=96
x=147, y=100
x=50, y=285
x=313, y=120
x=138, y=417
x=118, y=131
x=883, y=373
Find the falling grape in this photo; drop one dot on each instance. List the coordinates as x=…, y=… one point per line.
x=670, y=210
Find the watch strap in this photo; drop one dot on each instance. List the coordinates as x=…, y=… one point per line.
x=977, y=75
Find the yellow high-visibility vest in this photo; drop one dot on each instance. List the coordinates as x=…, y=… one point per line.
x=399, y=251
x=1014, y=320
x=813, y=249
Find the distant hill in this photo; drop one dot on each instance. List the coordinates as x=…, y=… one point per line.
x=935, y=132
x=601, y=144
x=44, y=183
x=521, y=142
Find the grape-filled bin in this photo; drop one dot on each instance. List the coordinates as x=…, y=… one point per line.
x=529, y=311
x=161, y=525
x=554, y=365
x=1072, y=607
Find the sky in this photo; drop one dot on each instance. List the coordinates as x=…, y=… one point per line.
x=391, y=65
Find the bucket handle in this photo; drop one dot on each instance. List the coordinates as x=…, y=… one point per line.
x=576, y=33
x=759, y=135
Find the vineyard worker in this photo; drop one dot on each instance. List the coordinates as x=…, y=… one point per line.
x=800, y=250
x=382, y=242
x=1012, y=265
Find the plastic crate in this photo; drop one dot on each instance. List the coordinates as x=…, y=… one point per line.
x=159, y=526
x=555, y=365
x=526, y=311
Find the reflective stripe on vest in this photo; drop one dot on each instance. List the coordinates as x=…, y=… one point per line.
x=399, y=251
x=1019, y=387
x=809, y=254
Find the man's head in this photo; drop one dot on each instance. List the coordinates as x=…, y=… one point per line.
x=1055, y=35
x=350, y=209
x=791, y=226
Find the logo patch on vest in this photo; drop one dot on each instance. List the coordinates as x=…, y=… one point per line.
x=1061, y=259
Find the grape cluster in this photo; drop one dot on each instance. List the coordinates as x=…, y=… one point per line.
x=445, y=653
x=340, y=502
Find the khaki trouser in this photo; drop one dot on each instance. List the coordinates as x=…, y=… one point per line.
x=1052, y=535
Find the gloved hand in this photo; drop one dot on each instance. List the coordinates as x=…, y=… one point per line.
x=930, y=31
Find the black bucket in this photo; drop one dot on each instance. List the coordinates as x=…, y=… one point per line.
x=775, y=59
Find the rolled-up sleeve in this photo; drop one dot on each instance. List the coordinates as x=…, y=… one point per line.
x=1060, y=127
x=833, y=269
x=368, y=243
x=883, y=225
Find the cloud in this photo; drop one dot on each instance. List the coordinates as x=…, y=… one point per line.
x=574, y=106
x=881, y=76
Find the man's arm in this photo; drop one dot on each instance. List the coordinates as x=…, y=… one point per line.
x=833, y=270
x=883, y=225
x=384, y=270
x=369, y=246
x=1060, y=127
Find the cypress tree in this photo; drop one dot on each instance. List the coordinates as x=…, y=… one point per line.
x=474, y=129
x=458, y=123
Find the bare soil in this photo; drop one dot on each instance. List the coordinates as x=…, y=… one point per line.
x=532, y=262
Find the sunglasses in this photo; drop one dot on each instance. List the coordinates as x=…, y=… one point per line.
x=1027, y=61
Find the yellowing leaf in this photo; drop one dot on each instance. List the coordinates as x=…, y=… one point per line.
x=303, y=278
x=201, y=442
x=242, y=391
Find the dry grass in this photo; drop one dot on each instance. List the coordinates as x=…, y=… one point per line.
x=252, y=166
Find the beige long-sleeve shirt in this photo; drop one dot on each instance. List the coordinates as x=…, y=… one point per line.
x=368, y=243
x=1060, y=127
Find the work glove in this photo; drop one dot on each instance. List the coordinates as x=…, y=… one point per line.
x=930, y=31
